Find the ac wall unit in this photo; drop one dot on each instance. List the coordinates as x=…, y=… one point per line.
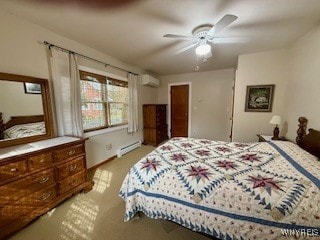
x=148, y=80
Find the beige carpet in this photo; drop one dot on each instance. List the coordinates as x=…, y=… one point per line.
x=99, y=213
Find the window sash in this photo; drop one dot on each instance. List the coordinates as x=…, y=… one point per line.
x=108, y=109
x=88, y=76
x=116, y=82
x=123, y=111
x=95, y=118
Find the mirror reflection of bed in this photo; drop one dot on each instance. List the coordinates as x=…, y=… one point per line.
x=22, y=126
x=22, y=112
x=25, y=109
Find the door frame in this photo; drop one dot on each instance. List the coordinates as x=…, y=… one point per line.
x=169, y=106
x=232, y=105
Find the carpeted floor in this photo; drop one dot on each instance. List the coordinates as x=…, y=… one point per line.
x=98, y=214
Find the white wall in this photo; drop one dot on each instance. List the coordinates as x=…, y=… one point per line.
x=211, y=95
x=259, y=69
x=304, y=82
x=296, y=74
x=22, y=54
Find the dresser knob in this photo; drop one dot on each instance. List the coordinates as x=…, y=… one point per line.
x=13, y=169
x=42, y=160
x=71, y=152
x=73, y=183
x=44, y=179
x=72, y=168
x=45, y=196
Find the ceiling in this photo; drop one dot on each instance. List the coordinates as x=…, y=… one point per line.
x=133, y=32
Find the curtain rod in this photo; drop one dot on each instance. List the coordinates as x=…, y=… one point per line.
x=49, y=45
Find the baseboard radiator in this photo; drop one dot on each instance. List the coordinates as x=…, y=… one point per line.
x=123, y=150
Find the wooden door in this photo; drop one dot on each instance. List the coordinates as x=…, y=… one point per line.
x=179, y=110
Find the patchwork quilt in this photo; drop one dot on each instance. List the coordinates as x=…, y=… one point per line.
x=25, y=130
x=228, y=190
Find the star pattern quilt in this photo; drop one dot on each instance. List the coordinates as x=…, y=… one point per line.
x=228, y=190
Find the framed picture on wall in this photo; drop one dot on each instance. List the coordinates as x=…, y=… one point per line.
x=32, y=88
x=259, y=98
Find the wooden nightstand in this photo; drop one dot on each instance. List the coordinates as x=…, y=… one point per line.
x=267, y=138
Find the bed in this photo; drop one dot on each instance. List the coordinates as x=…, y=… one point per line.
x=230, y=190
x=22, y=126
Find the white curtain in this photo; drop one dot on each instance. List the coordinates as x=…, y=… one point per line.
x=133, y=103
x=66, y=88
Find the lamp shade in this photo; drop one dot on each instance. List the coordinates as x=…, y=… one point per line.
x=275, y=120
x=203, y=49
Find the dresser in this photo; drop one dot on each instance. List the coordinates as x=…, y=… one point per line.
x=155, y=128
x=36, y=177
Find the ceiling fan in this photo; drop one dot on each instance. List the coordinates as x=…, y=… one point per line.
x=205, y=34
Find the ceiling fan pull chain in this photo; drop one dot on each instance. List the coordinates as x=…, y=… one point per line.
x=197, y=66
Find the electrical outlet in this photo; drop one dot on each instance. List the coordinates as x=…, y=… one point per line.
x=109, y=146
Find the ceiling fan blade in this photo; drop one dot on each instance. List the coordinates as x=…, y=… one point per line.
x=179, y=36
x=227, y=40
x=223, y=22
x=186, y=48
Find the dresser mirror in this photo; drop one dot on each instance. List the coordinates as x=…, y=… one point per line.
x=25, y=110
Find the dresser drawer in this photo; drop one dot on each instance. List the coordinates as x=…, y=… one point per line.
x=71, y=167
x=40, y=197
x=72, y=182
x=68, y=152
x=40, y=161
x=16, y=210
x=18, y=189
x=13, y=169
x=10, y=213
x=35, y=199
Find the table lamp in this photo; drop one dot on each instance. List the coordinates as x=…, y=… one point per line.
x=277, y=121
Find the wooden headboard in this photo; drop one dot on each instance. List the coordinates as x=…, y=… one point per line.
x=16, y=120
x=309, y=142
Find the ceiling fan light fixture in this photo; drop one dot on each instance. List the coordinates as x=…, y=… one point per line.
x=203, y=49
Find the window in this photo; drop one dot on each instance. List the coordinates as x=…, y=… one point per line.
x=104, y=101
